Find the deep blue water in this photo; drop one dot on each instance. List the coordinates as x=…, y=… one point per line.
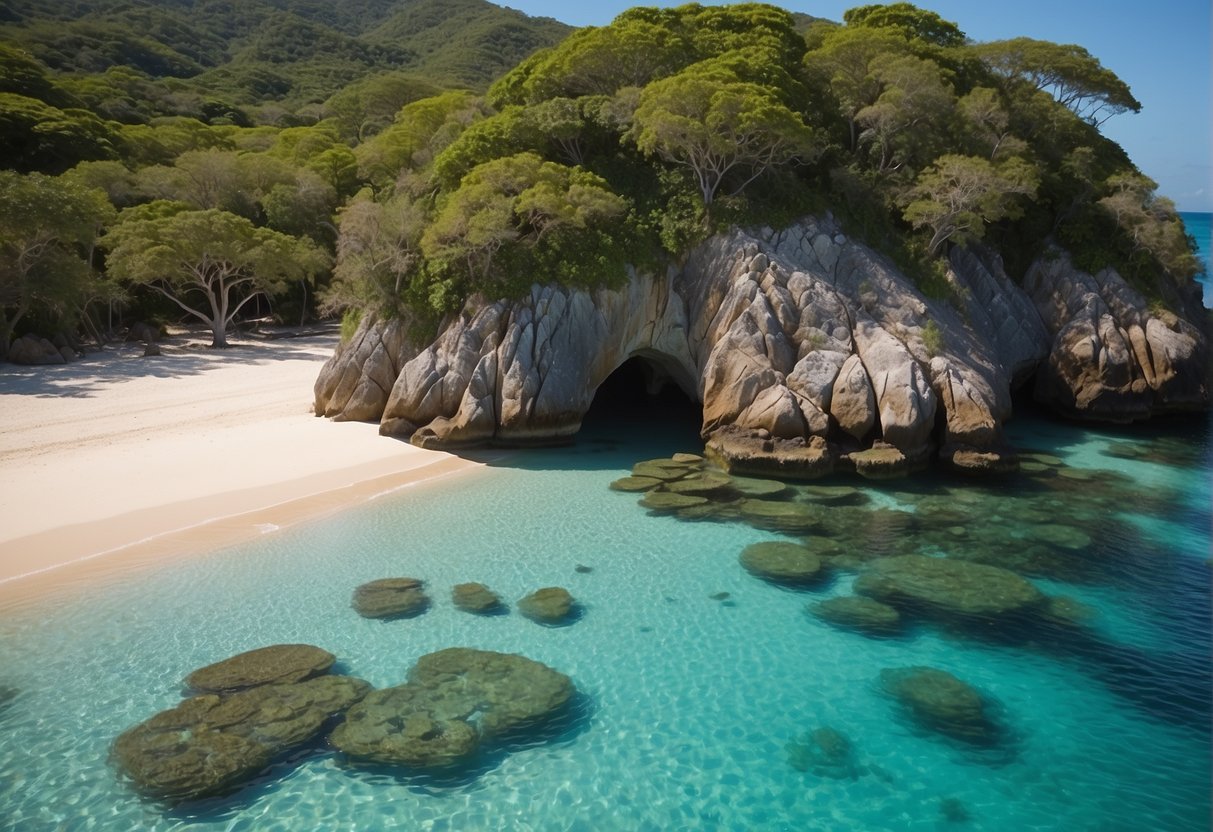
x=1197, y=225
x=688, y=702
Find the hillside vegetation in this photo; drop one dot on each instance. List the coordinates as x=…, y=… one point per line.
x=363, y=143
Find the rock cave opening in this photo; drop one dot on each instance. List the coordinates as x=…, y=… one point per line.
x=643, y=395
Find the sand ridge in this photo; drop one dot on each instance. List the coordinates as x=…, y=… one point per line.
x=117, y=459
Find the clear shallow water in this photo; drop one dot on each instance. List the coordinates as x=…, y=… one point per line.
x=1198, y=225
x=688, y=702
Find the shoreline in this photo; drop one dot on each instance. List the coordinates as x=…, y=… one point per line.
x=99, y=562
x=116, y=462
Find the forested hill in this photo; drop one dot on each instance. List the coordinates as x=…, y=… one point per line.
x=234, y=56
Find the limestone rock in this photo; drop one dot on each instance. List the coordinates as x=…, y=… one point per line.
x=941, y=702
x=277, y=664
x=550, y=605
x=476, y=598
x=947, y=586
x=209, y=744
x=454, y=700
x=781, y=562
x=391, y=598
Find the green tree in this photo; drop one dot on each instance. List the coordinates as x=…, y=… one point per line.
x=210, y=263
x=900, y=121
x=912, y=22
x=717, y=127
x=842, y=69
x=366, y=107
x=506, y=209
x=378, y=254
x=958, y=195
x=1074, y=77
x=1149, y=222
x=48, y=226
x=421, y=130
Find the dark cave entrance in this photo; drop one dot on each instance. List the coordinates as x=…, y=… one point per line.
x=643, y=399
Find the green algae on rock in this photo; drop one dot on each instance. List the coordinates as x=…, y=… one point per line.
x=276, y=664
x=391, y=598
x=210, y=744
x=667, y=501
x=857, y=613
x=475, y=598
x=941, y=702
x=635, y=483
x=824, y=752
x=781, y=562
x=550, y=605
x=454, y=701
x=948, y=586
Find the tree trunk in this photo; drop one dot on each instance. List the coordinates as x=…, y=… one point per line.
x=218, y=335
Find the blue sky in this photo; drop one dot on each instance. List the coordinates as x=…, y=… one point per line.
x=1161, y=49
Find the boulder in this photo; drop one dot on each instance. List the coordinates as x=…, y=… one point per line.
x=277, y=664
x=940, y=702
x=860, y=614
x=550, y=605
x=210, y=744
x=476, y=598
x=949, y=587
x=33, y=350
x=391, y=598
x=1113, y=355
x=454, y=701
x=781, y=562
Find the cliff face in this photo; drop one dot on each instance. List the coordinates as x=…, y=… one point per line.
x=807, y=350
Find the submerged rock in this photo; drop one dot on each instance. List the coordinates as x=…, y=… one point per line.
x=780, y=562
x=476, y=598
x=634, y=483
x=794, y=518
x=667, y=501
x=948, y=586
x=209, y=744
x=880, y=462
x=391, y=598
x=454, y=700
x=705, y=484
x=824, y=752
x=940, y=702
x=550, y=605
x=277, y=664
x=856, y=613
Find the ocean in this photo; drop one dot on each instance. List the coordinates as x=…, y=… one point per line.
x=1197, y=225
x=702, y=689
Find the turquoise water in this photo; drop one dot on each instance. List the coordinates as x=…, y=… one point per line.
x=687, y=702
x=1197, y=225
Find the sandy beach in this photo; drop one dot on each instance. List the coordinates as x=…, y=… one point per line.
x=117, y=459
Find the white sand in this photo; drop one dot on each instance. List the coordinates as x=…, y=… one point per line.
x=117, y=455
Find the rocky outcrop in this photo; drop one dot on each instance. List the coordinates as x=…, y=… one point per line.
x=277, y=664
x=1113, y=356
x=805, y=348
x=355, y=383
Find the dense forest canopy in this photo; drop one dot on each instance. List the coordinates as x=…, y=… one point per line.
x=403, y=155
